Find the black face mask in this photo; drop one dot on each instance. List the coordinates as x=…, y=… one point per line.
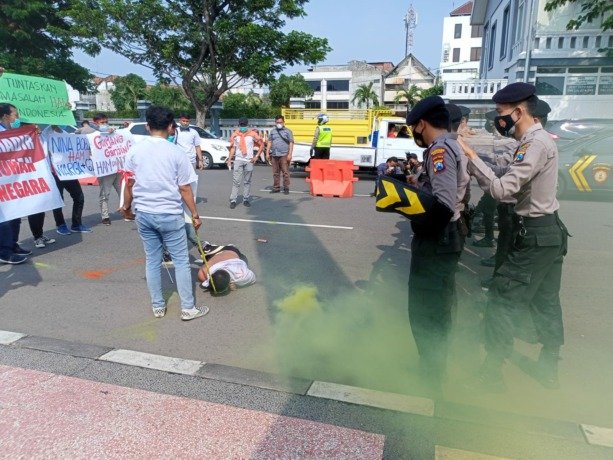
x=183, y=129
x=419, y=139
x=505, y=124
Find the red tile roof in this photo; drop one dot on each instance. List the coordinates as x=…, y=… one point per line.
x=464, y=10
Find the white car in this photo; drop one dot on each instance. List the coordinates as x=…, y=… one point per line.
x=214, y=150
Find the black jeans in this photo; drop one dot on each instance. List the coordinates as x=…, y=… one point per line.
x=505, y=233
x=487, y=206
x=321, y=153
x=73, y=187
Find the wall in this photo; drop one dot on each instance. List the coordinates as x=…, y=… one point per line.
x=469, y=69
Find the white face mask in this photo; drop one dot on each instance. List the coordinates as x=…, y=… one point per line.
x=279, y=125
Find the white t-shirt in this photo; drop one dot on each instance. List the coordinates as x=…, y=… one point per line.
x=188, y=140
x=238, y=270
x=159, y=168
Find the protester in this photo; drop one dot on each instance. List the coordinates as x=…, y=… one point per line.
x=10, y=251
x=279, y=147
x=189, y=141
x=227, y=267
x=161, y=175
x=242, y=143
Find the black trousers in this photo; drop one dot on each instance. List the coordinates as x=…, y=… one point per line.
x=73, y=187
x=487, y=206
x=434, y=262
x=505, y=233
x=529, y=279
x=321, y=153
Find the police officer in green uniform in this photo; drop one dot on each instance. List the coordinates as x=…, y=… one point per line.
x=435, y=252
x=529, y=277
x=322, y=139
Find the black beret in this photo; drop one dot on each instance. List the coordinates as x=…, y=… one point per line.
x=515, y=92
x=465, y=110
x=491, y=115
x=542, y=109
x=428, y=106
x=455, y=114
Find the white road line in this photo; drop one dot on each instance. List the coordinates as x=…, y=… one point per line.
x=149, y=361
x=308, y=193
x=362, y=396
x=8, y=337
x=273, y=222
x=467, y=268
x=447, y=453
x=597, y=435
x=470, y=251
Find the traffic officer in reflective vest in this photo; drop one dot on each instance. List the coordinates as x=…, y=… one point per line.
x=322, y=139
x=435, y=252
x=530, y=275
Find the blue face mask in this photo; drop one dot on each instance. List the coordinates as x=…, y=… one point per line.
x=243, y=129
x=103, y=128
x=171, y=139
x=16, y=123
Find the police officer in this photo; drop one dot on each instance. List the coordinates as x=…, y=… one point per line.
x=434, y=252
x=322, y=139
x=530, y=275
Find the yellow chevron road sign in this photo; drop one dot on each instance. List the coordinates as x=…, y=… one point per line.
x=392, y=196
x=576, y=172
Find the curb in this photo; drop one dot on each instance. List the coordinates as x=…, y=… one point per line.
x=590, y=434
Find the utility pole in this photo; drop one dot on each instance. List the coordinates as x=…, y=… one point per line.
x=410, y=23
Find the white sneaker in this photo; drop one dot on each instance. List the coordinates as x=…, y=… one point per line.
x=194, y=313
x=159, y=312
x=43, y=241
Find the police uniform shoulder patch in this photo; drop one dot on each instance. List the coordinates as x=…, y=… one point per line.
x=521, y=153
x=438, y=159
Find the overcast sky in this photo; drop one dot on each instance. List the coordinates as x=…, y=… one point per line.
x=356, y=29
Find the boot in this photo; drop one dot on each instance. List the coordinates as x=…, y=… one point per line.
x=548, y=367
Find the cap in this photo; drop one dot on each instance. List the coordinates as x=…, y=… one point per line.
x=425, y=108
x=515, y=92
x=455, y=114
x=491, y=115
x=542, y=109
x=465, y=110
x=243, y=122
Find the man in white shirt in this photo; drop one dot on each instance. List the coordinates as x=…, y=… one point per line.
x=228, y=269
x=188, y=140
x=161, y=177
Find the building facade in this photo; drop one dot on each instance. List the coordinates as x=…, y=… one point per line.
x=409, y=72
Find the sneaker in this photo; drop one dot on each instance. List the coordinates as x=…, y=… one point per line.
x=43, y=241
x=80, y=229
x=63, y=230
x=484, y=243
x=128, y=219
x=199, y=261
x=159, y=312
x=13, y=259
x=275, y=190
x=285, y=191
x=21, y=251
x=232, y=204
x=247, y=203
x=106, y=221
x=194, y=313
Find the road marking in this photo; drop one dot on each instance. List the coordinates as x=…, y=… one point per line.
x=8, y=337
x=597, y=435
x=467, y=268
x=470, y=251
x=373, y=398
x=308, y=193
x=273, y=222
x=447, y=453
x=150, y=361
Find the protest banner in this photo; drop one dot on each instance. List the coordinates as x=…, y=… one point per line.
x=26, y=184
x=70, y=155
x=38, y=100
x=109, y=151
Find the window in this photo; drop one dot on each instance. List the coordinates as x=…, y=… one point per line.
x=338, y=85
x=505, y=31
x=586, y=42
x=583, y=70
x=490, y=58
x=315, y=85
x=549, y=86
x=560, y=42
x=457, y=32
x=456, y=55
x=476, y=31
x=548, y=43
x=312, y=105
x=140, y=129
x=610, y=41
x=573, y=42
x=598, y=41
x=518, y=22
x=338, y=104
x=475, y=54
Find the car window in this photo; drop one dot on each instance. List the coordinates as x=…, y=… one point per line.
x=139, y=130
x=203, y=132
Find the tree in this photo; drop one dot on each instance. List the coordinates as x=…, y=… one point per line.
x=171, y=97
x=412, y=95
x=591, y=10
x=364, y=94
x=35, y=40
x=208, y=47
x=436, y=90
x=286, y=87
x=127, y=91
x=237, y=105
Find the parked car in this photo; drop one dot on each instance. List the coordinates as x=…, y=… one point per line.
x=565, y=131
x=214, y=150
x=585, y=166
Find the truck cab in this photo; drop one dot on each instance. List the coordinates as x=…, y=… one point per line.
x=388, y=145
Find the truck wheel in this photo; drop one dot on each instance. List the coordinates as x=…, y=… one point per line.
x=207, y=159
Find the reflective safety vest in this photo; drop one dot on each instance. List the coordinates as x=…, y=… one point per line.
x=325, y=137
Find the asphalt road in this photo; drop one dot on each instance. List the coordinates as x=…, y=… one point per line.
x=345, y=267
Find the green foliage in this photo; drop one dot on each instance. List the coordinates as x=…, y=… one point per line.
x=127, y=91
x=411, y=95
x=171, y=97
x=364, y=94
x=205, y=46
x=591, y=10
x=286, y=87
x=436, y=90
x=237, y=105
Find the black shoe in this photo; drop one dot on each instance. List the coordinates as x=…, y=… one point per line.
x=275, y=190
x=13, y=259
x=489, y=262
x=247, y=203
x=106, y=221
x=232, y=204
x=285, y=191
x=484, y=243
x=21, y=251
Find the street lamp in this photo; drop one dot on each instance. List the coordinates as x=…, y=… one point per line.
x=215, y=111
x=142, y=106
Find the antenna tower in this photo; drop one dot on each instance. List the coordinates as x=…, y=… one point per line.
x=410, y=23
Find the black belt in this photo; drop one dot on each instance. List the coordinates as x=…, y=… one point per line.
x=541, y=221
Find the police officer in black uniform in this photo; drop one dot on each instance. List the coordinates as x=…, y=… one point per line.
x=435, y=250
x=530, y=275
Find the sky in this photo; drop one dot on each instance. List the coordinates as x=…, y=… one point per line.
x=356, y=29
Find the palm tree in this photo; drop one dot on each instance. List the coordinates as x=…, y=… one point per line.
x=412, y=96
x=365, y=94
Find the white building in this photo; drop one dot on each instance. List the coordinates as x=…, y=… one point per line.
x=409, y=72
x=461, y=51
x=568, y=70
